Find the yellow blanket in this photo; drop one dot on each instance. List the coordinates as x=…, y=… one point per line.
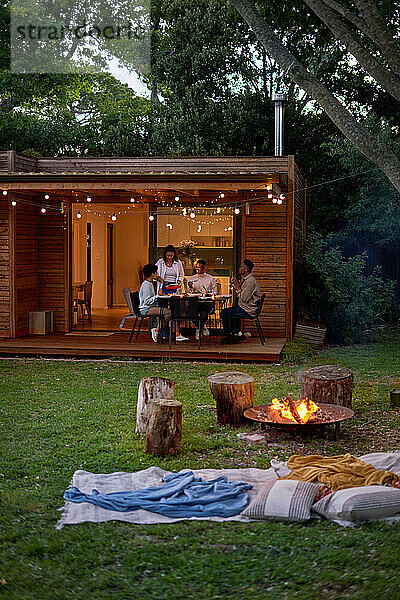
x=337, y=472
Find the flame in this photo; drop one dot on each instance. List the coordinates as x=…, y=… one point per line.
x=298, y=412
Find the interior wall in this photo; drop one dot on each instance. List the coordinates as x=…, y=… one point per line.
x=130, y=251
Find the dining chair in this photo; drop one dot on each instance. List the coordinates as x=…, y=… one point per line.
x=85, y=303
x=256, y=320
x=184, y=308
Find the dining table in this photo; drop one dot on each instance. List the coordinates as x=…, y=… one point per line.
x=219, y=302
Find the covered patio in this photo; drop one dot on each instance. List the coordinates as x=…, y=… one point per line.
x=78, y=219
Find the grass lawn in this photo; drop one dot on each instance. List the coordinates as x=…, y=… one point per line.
x=59, y=416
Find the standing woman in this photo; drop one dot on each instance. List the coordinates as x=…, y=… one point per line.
x=170, y=272
x=170, y=275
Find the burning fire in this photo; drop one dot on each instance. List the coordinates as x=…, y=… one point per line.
x=297, y=411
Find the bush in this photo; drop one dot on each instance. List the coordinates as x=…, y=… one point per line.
x=349, y=300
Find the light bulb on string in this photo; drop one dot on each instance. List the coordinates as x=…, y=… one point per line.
x=177, y=198
x=222, y=195
x=151, y=218
x=282, y=197
x=5, y=192
x=269, y=196
x=43, y=210
x=88, y=199
x=114, y=217
x=269, y=187
x=237, y=210
x=192, y=215
x=279, y=201
x=13, y=203
x=132, y=200
x=274, y=200
x=78, y=215
x=46, y=196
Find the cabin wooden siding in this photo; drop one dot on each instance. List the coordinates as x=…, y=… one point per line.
x=25, y=281
x=5, y=271
x=52, y=256
x=264, y=242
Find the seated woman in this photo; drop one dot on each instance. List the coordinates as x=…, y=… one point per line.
x=202, y=283
x=148, y=300
x=170, y=275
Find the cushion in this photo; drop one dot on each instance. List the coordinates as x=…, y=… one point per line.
x=365, y=503
x=385, y=461
x=283, y=500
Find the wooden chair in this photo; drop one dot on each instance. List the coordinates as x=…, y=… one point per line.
x=184, y=309
x=85, y=303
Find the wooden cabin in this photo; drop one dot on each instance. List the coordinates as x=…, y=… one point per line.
x=74, y=219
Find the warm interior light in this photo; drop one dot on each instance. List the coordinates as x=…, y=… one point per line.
x=78, y=215
x=192, y=215
x=218, y=210
x=114, y=217
x=269, y=187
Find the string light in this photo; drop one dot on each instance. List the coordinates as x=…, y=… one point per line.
x=78, y=215
x=274, y=200
x=177, y=198
x=282, y=197
x=46, y=197
x=269, y=187
x=13, y=203
x=114, y=217
x=198, y=228
x=279, y=201
x=269, y=196
x=5, y=192
x=192, y=215
x=43, y=210
x=222, y=195
x=132, y=200
x=218, y=210
x=88, y=199
x=151, y=218
x=237, y=210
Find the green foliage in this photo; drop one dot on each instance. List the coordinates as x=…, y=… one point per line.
x=297, y=351
x=341, y=291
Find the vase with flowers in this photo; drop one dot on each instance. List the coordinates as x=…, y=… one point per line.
x=187, y=248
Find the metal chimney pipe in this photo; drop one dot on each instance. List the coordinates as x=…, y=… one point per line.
x=280, y=101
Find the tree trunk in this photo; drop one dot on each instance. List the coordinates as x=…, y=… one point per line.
x=328, y=384
x=151, y=388
x=234, y=393
x=164, y=427
x=372, y=147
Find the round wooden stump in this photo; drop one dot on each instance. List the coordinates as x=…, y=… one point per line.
x=164, y=427
x=151, y=388
x=234, y=393
x=328, y=384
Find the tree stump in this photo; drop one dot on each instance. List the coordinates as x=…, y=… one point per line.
x=164, y=427
x=151, y=388
x=329, y=384
x=234, y=393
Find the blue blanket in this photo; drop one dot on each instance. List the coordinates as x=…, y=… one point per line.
x=181, y=495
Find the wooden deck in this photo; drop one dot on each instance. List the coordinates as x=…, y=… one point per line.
x=94, y=345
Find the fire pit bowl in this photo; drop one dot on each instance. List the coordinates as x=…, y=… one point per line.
x=327, y=414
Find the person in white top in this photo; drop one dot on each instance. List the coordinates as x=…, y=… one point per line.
x=170, y=276
x=202, y=283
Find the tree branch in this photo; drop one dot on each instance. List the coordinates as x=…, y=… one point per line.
x=373, y=148
x=389, y=81
x=380, y=34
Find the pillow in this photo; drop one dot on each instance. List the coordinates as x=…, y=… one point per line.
x=283, y=500
x=364, y=503
x=384, y=461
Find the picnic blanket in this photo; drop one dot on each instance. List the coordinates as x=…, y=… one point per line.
x=338, y=472
x=181, y=495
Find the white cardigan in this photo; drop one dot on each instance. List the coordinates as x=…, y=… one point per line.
x=162, y=268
